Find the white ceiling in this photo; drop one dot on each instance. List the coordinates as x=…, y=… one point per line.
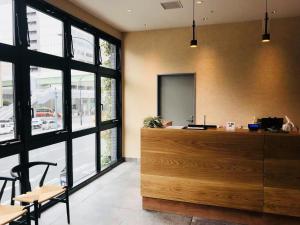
x=148, y=14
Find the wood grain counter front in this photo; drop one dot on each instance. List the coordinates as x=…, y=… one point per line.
x=253, y=171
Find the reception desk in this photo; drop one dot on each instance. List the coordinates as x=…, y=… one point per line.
x=251, y=171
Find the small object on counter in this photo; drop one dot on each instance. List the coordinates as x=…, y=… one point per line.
x=175, y=127
x=196, y=127
x=274, y=123
x=230, y=126
x=167, y=123
x=288, y=126
x=253, y=127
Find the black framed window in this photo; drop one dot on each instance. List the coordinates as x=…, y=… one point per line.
x=55, y=72
x=51, y=153
x=5, y=165
x=108, y=52
x=84, y=156
x=46, y=87
x=83, y=100
x=108, y=147
x=7, y=22
x=45, y=32
x=108, y=99
x=7, y=102
x=83, y=45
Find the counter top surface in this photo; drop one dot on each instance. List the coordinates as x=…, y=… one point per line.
x=223, y=130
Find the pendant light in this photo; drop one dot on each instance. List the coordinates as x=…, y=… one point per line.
x=194, y=41
x=266, y=37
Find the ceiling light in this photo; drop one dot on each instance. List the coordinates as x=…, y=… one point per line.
x=194, y=40
x=266, y=37
x=199, y=2
x=129, y=10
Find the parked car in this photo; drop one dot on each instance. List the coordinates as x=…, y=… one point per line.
x=6, y=128
x=44, y=112
x=36, y=123
x=49, y=124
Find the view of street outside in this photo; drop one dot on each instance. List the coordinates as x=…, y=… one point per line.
x=83, y=100
x=47, y=98
x=84, y=156
x=7, y=115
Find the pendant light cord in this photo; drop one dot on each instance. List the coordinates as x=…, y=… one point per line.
x=194, y=20
x=266, y=18
x=193, y=9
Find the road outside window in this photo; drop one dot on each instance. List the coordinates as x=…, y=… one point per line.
x=84, y=154
x=5, y=166
x=53, y=153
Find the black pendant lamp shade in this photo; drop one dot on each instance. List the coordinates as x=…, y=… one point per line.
x=194, y=42
x=266, y=37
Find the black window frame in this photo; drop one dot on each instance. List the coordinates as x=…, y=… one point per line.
x=22, y=57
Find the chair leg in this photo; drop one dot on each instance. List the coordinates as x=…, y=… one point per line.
x=40, y=211
x=36, y=212
x=28, y=219
x=67, y=205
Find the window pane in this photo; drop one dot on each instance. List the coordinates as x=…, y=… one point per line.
x=56, y=174
x=6, y=164
x=84, y=157
x=6, y=22
x=83, y=45
x=46, y=100
x=45, y=32
x=7, y=112
x=108, y=54
x=108, y=147
x=83, y=100
x=108, y=99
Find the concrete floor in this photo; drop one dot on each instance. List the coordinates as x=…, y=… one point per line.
x=114, y=199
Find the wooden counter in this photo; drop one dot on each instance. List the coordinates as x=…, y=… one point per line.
x=254, y=171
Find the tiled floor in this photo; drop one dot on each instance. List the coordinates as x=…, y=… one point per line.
x=114, y=199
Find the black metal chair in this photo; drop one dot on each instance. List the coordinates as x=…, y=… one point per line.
x=10, y=213
x=43, y=193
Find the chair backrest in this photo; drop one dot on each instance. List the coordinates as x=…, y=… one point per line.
x=13, y=189
x=21, y=172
